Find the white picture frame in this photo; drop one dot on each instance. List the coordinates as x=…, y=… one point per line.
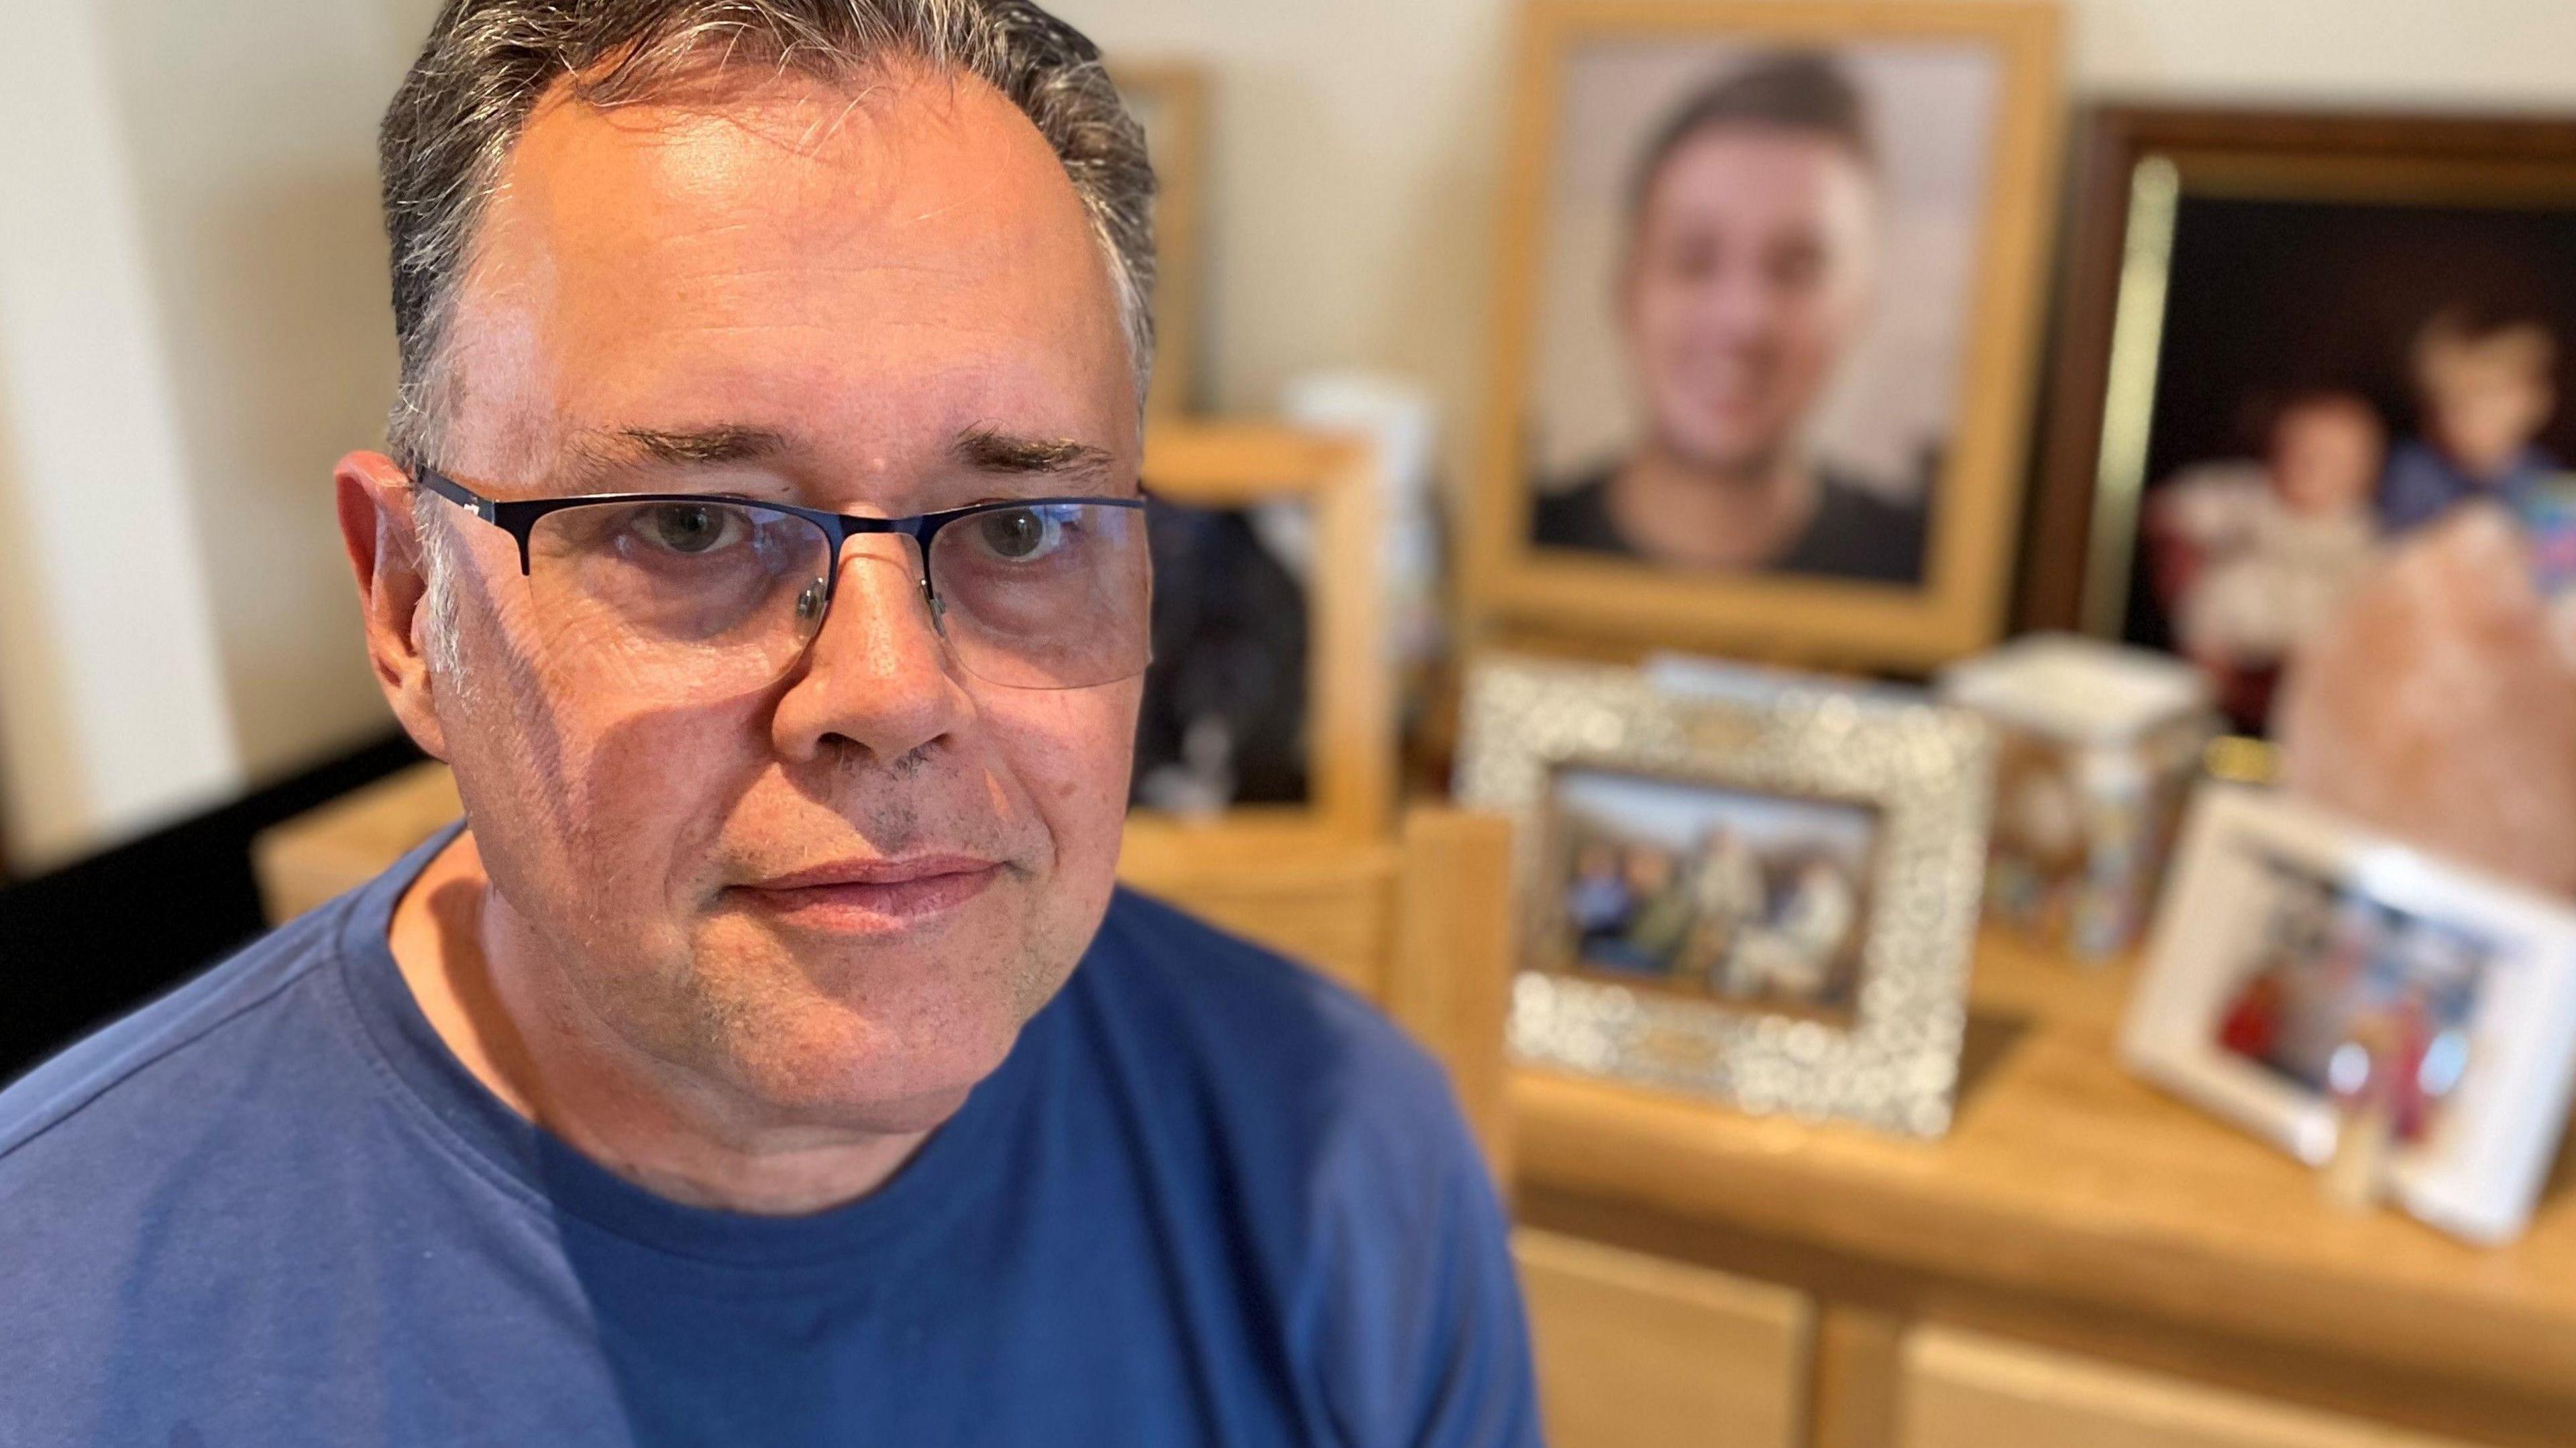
x=2478, y=1166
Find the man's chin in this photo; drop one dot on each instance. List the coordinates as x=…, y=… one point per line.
x=1730, y=458
x=883, y=1087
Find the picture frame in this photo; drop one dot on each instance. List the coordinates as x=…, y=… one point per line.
x=1765, y=799
x=1974, y=219
x=2296, y=956
x=1348, y=733
x=1169, y=98
x=2169, y=369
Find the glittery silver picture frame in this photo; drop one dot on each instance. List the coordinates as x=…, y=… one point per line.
x=1922, y=774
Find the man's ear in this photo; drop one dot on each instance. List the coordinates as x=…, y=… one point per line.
x=375, y=502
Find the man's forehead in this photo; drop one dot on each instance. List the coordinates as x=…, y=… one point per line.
x=883, y=252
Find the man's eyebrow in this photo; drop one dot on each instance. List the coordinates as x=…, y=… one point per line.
x=607, y=450
x=988, y=450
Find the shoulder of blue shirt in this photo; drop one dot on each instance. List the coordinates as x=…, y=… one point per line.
x=1270, y=1039
x=168, y=1029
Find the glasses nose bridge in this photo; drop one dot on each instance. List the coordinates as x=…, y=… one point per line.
x=898, y=547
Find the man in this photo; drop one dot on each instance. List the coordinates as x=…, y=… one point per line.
x=731, y=1078
x=1751, y=264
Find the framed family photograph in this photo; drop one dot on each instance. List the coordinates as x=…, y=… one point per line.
x=1268, y=707
x=1765, y=322
x=1169, y=99
x=2286, y=343
x=1770, y=899
x=2379, y=1014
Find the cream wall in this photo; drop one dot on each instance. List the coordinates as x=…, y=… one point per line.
x=252, y=130
x=111, y=707
x=222, y=284
x=197, y=328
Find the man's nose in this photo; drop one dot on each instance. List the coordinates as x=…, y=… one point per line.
x=877, y=675
x=1740, y=304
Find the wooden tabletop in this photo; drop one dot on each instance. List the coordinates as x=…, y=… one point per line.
x=2066, y=1176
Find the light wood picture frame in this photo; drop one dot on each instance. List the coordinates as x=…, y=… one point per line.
x=1169, y=98
x=1604, y=92
x=1349, y=731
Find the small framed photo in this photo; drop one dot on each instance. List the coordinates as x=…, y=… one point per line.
x=1765, y=320
x=2287, y=341
x=1169, y=99
x=1768, y=897
x=2307, y=980
x=1268, y=708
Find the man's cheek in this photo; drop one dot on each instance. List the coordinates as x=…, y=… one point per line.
x=653, y=792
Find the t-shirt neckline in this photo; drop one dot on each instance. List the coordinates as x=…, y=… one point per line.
x=955, y=1162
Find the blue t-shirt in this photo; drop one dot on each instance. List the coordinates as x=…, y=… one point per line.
x=1208, y=1198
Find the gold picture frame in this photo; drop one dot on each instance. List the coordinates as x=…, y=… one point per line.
x=1516, y=588
x=1350, y=731
x=1169, y=98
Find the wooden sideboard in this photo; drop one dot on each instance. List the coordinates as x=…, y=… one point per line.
x=2081, y=1261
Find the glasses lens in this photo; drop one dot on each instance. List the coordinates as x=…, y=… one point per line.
x=1046, y=595
x=684, y=598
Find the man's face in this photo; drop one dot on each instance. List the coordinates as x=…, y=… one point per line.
x=861, y=279
x=1753, y=261
x=2326, y=457
x=2489, y=398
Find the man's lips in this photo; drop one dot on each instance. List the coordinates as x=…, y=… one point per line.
x=874, y=894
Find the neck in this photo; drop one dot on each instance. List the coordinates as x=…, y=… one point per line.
x=502, y=1002
x=1677, y=512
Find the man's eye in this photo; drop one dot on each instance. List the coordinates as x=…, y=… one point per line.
x=1020, y=534
x=689, y=527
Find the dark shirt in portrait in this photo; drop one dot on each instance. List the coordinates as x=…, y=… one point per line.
x=1856, y=532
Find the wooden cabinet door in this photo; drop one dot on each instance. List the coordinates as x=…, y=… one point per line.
x=1967, y=1390
x=1641, y=1352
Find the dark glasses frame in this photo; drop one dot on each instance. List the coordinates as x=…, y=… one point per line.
x=520, y=518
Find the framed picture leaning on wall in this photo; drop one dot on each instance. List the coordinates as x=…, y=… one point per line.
x=1268, y=710
x=1169, y=99
x=1765, y=323
x=2286, y=342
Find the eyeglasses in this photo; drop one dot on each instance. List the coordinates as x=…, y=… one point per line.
x=689, y=594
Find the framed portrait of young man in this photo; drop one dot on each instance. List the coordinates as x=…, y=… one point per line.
x=1765, y=319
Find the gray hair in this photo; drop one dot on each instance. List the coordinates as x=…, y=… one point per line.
x=450, y=129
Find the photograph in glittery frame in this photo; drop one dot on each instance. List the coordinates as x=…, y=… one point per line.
x=1751, y=899
x=1766, y=900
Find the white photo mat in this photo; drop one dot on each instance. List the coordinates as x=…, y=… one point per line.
x=2478, y=1170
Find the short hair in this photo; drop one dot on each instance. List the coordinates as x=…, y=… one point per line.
x=1797, y=91
x=487, y=63
x=2466, y=325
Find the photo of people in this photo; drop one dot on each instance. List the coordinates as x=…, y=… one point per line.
x=2334, y=376
x=1744, y=897
x=2358, y=1002
x=1757, y=272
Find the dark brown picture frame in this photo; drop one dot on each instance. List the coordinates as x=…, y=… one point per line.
x=2078, y=547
